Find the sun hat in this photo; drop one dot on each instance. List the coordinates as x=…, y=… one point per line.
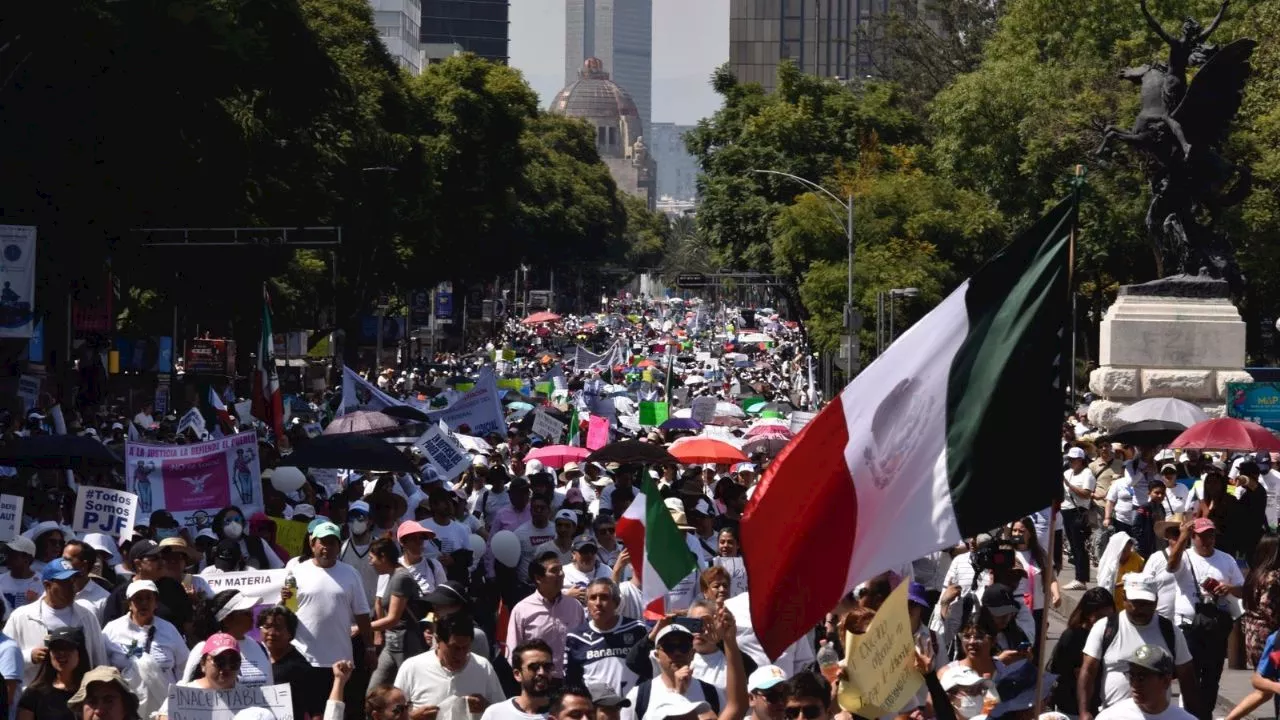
x=99, y=674
x=409, y=527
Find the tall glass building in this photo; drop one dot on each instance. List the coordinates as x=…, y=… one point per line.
x=620, y=34
x=478, y=26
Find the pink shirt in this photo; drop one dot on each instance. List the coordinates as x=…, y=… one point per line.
x=508, y=518
x=549, y=621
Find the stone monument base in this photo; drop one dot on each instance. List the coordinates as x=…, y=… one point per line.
x=1179, y=337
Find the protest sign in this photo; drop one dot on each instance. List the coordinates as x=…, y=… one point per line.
x=443, y=452
x=479, y=410
x=597, y=432
x=193, y=703
x=194, y=482
x=799, y=419
x=102, y=510
x=17, y=274
x=28, y=390
x=547, y=427
x=653, y=413
x=10, y=517
x=881, y=661
x=261, y=585
x=703, y=410
x=290, y=534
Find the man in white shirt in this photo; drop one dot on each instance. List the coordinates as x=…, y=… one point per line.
x=29, y=624
x=1077, y=484
x=90, y=594
x=144, y=418
x=1150, y=676
x=355, y=550
x=331, y=598
x=1112, y=641
x=449, y=670
x=538, y=530
x=532, y=666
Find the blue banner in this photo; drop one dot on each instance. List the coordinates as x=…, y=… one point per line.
x=444, y=305
x=1256, y=402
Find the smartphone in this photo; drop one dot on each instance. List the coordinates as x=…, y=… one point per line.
x=1023, y=646
x=693, y=624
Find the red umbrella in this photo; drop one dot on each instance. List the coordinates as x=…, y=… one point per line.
x=706, y=450
x=1227, y=434
x=541, y=317
x=557, y=455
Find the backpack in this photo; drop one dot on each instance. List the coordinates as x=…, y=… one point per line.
x=1109, y=635
x=709, y=693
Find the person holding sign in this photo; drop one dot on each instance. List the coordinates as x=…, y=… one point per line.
x=218, y=668
x=232, y=613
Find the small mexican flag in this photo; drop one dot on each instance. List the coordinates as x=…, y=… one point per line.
x=575, y=427
x=268, y=403
x=667, y=559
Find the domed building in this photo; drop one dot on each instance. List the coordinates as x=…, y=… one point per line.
x=608, y=108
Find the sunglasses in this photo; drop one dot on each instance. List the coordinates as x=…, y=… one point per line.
x=538, y=667
x=227, y=661
x=810, y=712
x=774, y=696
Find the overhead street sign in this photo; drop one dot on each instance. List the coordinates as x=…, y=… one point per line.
x=691, y=280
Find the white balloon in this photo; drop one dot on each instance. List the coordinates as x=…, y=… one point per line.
x=478, y=545
x=506, y=547
x=287, y=479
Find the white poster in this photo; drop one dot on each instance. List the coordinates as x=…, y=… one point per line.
x=479, y=410
x=28, y=390
x=102, y=510
x=192, y=703
x=443, y=452
x=547, y=427
x=17, y=280
x=10, y=517
x=195, y=481
x=799, y=419
x=261, y=585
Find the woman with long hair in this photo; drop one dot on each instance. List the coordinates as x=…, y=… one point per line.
x=1068, y=655
x=1262, y=596
x=1036, y=562
x=398, y=621
x=230, y=612
x=65, y=662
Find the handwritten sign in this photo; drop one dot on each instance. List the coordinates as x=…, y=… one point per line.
x=547, y=427
x=881, y=661
x=102, y=510
x=10, y=517
x=191, y=703
x=290, y=534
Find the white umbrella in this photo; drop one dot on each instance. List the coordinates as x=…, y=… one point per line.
x=728, y=409
x=694, y=380
x=1167, y=409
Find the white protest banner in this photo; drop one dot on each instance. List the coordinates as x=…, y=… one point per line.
x=193, y=703
x=360, y=394
x=103, y=510
x=10, y=517
x=799, y=419
x=192, y=420
x=28, y=390
x=479, y=410
x=703, y=410
x=443, y=452
x=547, y=427
x=195, y=481
x=261, y=585
x=244, y=412
x=17, y=280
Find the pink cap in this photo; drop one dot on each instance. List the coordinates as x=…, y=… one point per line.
x=1203, y=525
x=219, y=643
x=409, y=527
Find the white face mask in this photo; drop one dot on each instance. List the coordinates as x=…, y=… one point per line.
x=969, y=706
x=358, y=527
x=233, y=530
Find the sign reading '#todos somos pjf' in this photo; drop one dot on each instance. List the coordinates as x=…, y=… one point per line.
x=195, y=481
x=103, y=510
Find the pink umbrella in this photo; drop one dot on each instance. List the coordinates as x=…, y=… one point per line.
x=557, y=455
x=769, y=429
x=541, y=317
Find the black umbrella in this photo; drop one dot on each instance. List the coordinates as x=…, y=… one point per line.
x=406, y=412
x=357, y=452
x=51, y=452
x=633, y=451
x=1145, y=432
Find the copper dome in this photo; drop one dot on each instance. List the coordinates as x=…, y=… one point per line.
x=595, y=96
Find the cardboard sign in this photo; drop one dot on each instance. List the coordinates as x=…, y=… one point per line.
x=547, y=427
x=195, y=481
x=10, y=517
x=443, y=452
x=881, y=661
x=191, y=703
x=102, y=510
x=703, y=410
x=29, y=391
x=290, y=534
x=799, y=419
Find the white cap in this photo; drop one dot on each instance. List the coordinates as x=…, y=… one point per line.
x=1077, y=453
x=304, y=510
x=138, y=586
x=766, y=677
x=673, y=705
x=1138, y=586
x=479, y=461
x=22, y=545
x=671, y=628
x=1165, y=454
x=958, y=675
x=239, y=601
x=567, y=515
x=533, y=466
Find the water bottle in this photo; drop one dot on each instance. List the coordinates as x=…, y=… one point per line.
x=291, y=586
x=829, y=662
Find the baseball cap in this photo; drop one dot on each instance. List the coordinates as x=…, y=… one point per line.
x=958, y=675
x=22, y=545
x=582, y=543
x=479, y=461
x=65, y=634
x=669, y=629
x=1203, y=524
x=673, y=705
x=358, y=506
x=304, y=510
x=999, y=601
x=409, y=527
x=1262, y=458
x=219, y=643
x=142, y=549
x=1152, y=657
x=100, y=674
x=447, y=593
x=326, y=529
x=567, y=516
x=766, y=677
x=702, y=507
x=57, y=569
x=606, y=696
x=138, y=586
x=918, y=595
x=1168, y=466
x=1140, y=587
x=1077, y=453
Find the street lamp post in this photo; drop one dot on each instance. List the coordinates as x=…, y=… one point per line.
x=851, y=319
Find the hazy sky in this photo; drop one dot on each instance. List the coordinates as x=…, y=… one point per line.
x=690, y=39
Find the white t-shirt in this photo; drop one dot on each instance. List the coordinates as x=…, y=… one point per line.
x=1166, y=594
x=15, y=591
x=1175, y=499
x=1115, y=686
x=487, y=502
x=573, y=577
x=425, y=682
x=508, y=711
x=1083, y=480
x=660, y=695
x=255, y=664
x=1123, y=494
x=1129, y=710
x=1271, y=481
x=454, y=536
x=530, y=538
x=329, y=599
x=1193, y=571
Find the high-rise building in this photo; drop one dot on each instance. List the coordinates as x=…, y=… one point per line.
x=479, y=26
x=820, y=36
x=397, y=23
x=677, y=170
x=620, y=34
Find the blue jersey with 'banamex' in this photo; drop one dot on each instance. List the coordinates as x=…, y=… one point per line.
x=600, y=657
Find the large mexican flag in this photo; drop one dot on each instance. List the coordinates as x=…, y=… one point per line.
x=952, y=431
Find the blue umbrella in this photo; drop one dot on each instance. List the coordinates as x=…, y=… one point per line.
x=681, y=424
x=518, y=406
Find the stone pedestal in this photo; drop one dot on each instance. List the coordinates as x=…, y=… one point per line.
x=1178, y=337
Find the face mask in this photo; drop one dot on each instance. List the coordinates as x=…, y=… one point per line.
x=969, y=706
x=163, y=533
x=233, y=530
x=358, y=527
